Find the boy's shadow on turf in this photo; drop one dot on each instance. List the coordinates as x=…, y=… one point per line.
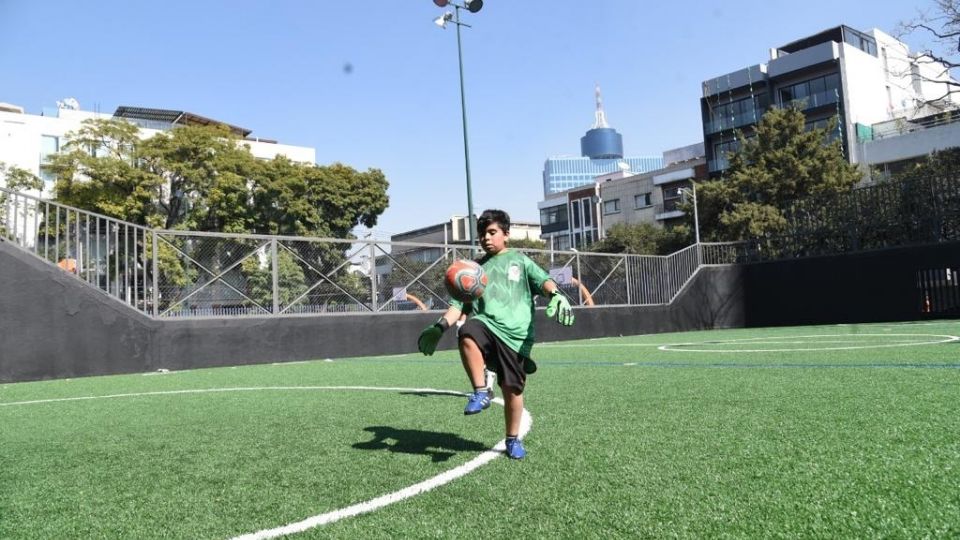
x=439, y=446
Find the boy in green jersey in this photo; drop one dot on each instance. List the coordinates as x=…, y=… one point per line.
x=498, y=333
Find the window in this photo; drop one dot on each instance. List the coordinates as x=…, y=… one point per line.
x=552, y=215
x=611, y=207
x=739, y=112
x=587, y=212
x=915, y=80
x=641, y=201
x=721, y=150
x=812, y=93
x=818, y=85
x=47, y=176
x=49, y=145
x=824, y=123
x=861, y=41
x=575, y=209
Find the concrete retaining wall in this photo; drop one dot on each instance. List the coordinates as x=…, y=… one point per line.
x=52, y=326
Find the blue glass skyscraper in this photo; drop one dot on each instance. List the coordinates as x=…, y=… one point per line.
x=601, y=152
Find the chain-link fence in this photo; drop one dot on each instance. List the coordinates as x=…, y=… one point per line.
x=166, y=273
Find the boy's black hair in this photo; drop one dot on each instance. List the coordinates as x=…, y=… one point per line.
x=493, y=216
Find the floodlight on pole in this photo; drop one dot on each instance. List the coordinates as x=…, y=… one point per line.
x=441, y=21
x=472, y=6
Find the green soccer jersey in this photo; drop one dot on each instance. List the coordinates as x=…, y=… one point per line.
x=506, y=306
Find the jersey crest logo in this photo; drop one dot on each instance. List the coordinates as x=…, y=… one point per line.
x=514, y=273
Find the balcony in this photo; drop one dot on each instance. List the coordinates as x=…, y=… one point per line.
x=668, y=209
x=812, y=56
x=819, y=99
x=738, y=120
x=737, y=79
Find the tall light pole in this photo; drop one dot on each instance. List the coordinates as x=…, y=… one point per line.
x=472, y=6
x=692, y=191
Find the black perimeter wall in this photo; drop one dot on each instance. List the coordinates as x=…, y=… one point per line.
x=54, y=326
x=875, y=286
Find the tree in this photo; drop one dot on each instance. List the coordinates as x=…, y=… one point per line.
x=642, y=239
x=939, y=164
x=203, y=178
x=99, y=171
x=942, y=26
x=782, y=162
x=15, y=179
x=205, y=175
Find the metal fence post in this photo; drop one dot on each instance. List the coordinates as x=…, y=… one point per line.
x=156, y=280
x=373, y=276
x=579, y=280
x=276, y=276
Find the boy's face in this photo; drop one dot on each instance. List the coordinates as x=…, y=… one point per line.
x=492, y=239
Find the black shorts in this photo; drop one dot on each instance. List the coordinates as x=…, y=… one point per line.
x=507, y=363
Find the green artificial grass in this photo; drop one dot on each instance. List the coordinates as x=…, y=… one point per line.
x=809, y=437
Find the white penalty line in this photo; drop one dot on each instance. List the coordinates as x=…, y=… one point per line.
x=526, y=422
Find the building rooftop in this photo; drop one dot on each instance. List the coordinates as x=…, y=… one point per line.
x=175, y=117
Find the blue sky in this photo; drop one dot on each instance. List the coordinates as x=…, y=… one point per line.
x=278, y=68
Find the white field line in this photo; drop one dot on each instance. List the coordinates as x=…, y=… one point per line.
x=593, y=344
x=526, y=422
x=682, y=347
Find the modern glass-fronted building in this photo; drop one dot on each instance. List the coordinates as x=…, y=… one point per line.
x=563, y=173
x=601, y=152
x=860, y=79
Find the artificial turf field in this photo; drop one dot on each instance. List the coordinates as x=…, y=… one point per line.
x=846, y=431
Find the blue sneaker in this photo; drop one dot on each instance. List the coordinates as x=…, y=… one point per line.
x=515, y=448
x=478, y=401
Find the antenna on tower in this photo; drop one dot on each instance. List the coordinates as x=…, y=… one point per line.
x=601, y=119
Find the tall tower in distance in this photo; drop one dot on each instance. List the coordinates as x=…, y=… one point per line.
x=601, y=141
x=601, y=152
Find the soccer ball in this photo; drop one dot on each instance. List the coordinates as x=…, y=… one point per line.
x=465, y=280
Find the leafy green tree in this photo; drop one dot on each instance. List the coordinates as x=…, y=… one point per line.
x=260, y=280
x=676, y=237
x=939, y=164
x=316, y=200
x=636, y=239
x=527, y=243
x=16, y=179
x=782, y=162
x=203, y=178
x=643, y=239
x=99, y=171
x=204, y=174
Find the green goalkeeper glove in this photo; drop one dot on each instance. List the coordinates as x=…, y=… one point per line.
x=559, y=307
x=430, y=336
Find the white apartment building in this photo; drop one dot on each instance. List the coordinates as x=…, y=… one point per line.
x=26, y=140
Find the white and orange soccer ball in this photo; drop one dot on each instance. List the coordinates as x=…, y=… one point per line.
x=465, y=280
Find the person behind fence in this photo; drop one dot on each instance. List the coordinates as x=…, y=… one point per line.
x=498, y=333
